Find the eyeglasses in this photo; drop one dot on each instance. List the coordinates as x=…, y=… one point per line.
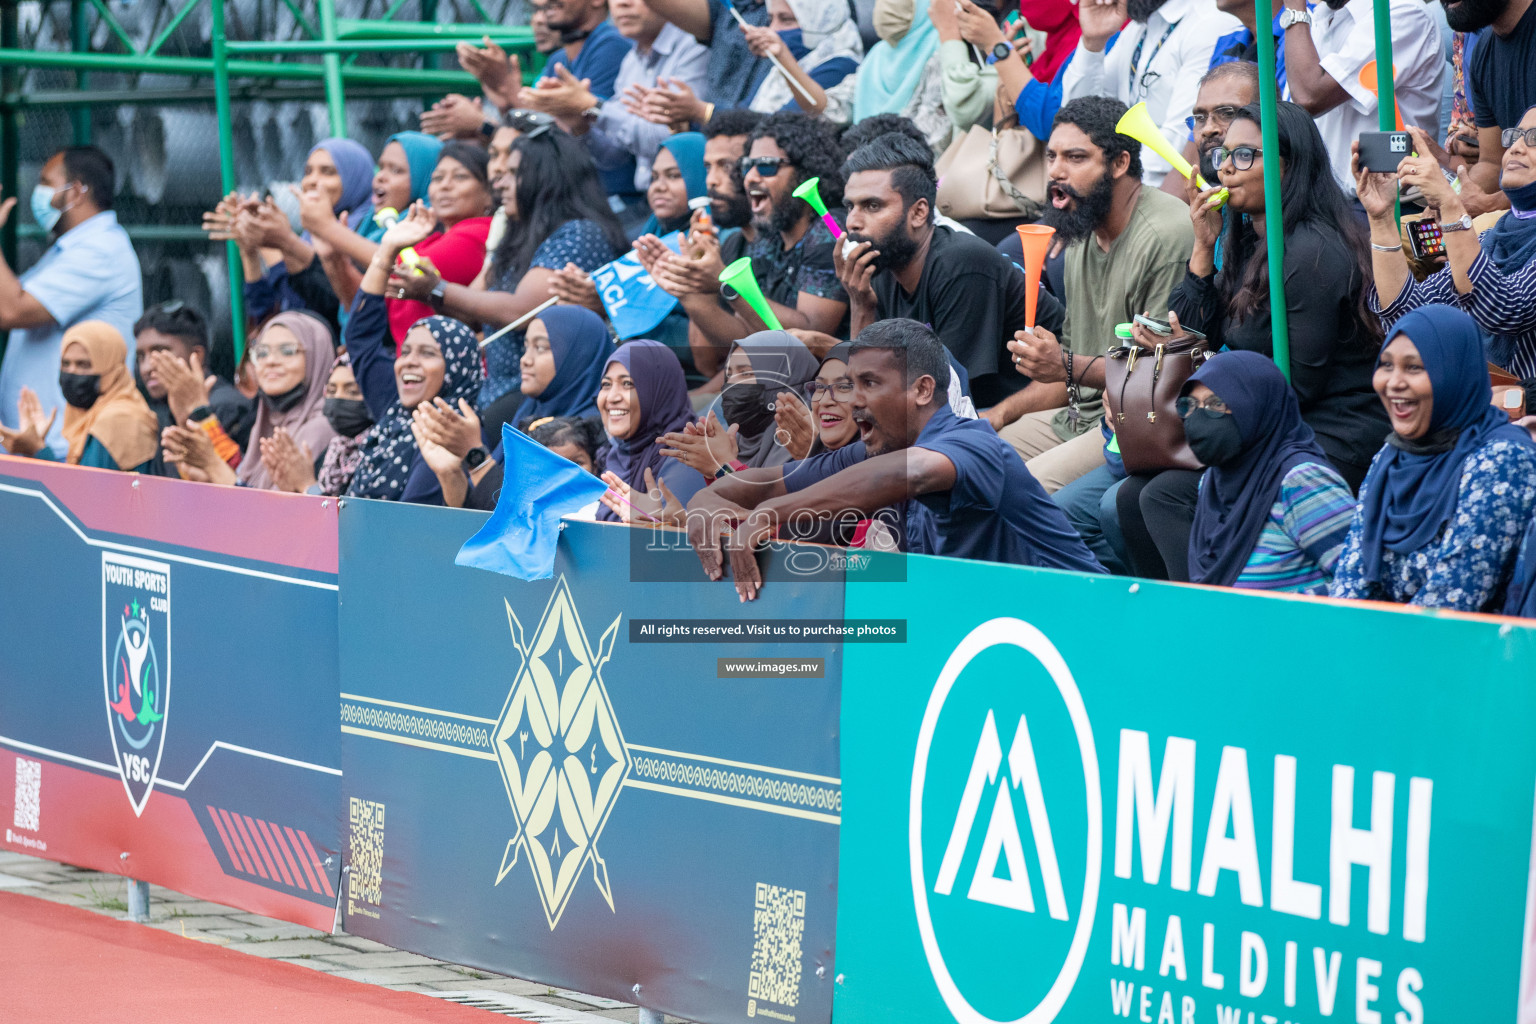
x=1186, y=407
x=1216, y=116
x=1511, y=135
x=841, y=391
x=1242, y=157
x=767, y=166
x=286, y=350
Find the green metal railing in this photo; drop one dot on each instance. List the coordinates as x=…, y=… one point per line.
x=1268, y=97
x=234, y=77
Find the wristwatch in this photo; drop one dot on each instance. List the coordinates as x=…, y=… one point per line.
x=438, y=293
x=1290, y=16
x=473, y=459
x=1463, y=224
x=1002, y=51
x=487, y=129
x=592, y=113
x=723, y=470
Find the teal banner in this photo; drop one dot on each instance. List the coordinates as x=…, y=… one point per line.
x=1087, y=799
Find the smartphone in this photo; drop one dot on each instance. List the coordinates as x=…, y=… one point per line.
x=1426, y=239
x=1162, y=328
x=1381, y=152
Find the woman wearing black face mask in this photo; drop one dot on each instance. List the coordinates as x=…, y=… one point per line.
x=761, y=370
x=293, y=467
x=107, y=423
x=1272, y=513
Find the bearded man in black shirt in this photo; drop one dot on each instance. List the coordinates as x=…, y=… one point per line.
x=894, y=262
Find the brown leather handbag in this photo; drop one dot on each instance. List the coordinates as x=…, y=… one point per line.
x=1142, y=385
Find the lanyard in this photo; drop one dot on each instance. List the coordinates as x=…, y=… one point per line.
x=1136, y=56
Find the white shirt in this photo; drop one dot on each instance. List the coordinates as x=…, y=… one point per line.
x=1346, y=42
x=1175, y=47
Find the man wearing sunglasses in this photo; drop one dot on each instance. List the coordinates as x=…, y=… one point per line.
x=792, y=249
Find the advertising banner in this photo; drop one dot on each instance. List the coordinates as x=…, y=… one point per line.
x=603, y=781
x=1080, y=799
x=168, y=685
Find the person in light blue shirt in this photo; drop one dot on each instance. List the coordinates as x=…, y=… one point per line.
x=90, y=272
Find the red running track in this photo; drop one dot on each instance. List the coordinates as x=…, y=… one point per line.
x=64, y=965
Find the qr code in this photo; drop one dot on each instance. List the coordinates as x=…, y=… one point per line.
x=366, y=880
x=778, y=926
x=29, y=794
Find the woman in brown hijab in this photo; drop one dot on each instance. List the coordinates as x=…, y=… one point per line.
x=292, y=360
x=107, y=423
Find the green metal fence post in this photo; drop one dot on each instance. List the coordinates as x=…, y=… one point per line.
x=227, y=173
x=80, y=42
x=1386, y=87
x=335, y=100
x=1274, y=222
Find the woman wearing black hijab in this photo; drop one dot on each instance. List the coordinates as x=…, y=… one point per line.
x=1272, y=512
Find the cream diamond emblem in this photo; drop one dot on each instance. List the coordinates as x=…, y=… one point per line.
x=561, y=753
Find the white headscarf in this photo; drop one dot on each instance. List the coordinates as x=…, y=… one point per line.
x=829, y=31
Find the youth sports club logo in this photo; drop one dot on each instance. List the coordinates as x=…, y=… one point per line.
x=136, y=646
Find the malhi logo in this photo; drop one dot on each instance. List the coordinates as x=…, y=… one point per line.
x=1005, y=828
x=136, y=651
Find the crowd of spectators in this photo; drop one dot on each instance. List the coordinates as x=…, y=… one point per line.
x=887, y=375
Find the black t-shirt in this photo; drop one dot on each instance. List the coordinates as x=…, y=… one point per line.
x=1332, y=358
x=1501, y=74
x=973, y=298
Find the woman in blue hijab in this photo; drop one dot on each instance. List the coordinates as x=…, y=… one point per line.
x=405, y=170
x=562, y=368
x=336, y=169
x=677, y=175
x=1272, y=513
x=1447, y=499
x=566, y=350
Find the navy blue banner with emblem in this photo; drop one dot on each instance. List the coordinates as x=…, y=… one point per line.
x=168, y=685
x=531, y=792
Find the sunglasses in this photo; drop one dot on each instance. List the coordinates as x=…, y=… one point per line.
x=532, y=123
x=767, y=166
x=172, y=308
x=1242, y=157
x=1512, y=135
x=1217, y=115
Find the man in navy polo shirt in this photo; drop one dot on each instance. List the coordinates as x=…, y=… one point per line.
x=590, y=46
x=973, y=500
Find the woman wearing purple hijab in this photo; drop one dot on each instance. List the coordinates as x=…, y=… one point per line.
x=644, y=395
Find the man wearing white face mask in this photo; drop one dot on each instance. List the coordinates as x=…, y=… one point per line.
x=89, y=272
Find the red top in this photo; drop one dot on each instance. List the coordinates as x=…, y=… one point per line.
x=1058, y=20
x=458, y=255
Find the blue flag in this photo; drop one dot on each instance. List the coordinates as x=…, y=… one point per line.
x=520, y=537
x=635, y=303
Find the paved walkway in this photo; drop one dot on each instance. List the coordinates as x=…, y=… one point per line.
x=346, y=956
